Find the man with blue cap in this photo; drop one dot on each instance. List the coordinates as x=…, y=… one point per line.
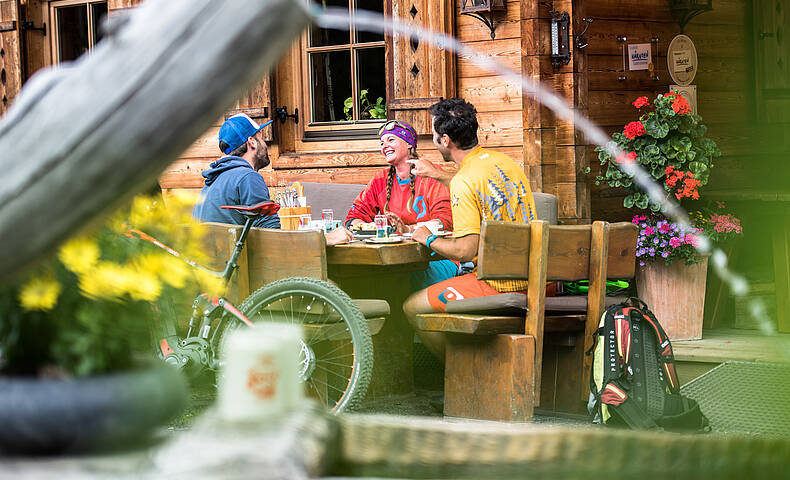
x=234, y=178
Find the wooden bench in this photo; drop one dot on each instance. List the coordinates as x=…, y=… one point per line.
x=494, y=359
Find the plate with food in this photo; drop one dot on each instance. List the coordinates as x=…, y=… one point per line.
x=367, y=229
x=390, y=239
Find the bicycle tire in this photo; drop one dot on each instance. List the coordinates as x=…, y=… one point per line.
x=335, y=312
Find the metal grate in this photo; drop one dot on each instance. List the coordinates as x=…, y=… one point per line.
x=744, y=397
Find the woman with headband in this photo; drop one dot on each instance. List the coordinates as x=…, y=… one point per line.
x=405, y=198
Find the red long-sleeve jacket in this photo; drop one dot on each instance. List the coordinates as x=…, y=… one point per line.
x=431, y=201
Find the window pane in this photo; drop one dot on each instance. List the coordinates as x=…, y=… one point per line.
x=331, y=85
x=72, y=32
x=370, y=70
x=373, y=6
x=321, y=37
x=99, y=12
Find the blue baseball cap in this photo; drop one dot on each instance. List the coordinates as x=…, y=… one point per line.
x=236, y=130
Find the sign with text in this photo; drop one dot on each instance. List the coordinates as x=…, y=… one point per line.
x=639, y=57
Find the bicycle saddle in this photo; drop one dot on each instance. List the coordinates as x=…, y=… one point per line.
x=262, y=209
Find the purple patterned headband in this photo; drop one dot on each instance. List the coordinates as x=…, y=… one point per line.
x=401, y=130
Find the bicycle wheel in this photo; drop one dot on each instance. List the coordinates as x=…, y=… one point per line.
x=336, y=359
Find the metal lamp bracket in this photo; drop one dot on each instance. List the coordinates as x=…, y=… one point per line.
x=488, y=22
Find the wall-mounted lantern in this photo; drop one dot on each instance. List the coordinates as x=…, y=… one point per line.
x=560, y=39
x=477, y=9
x=685, y=10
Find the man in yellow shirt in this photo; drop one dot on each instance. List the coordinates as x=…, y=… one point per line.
x=488, y=186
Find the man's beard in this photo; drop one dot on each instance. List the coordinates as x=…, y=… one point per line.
x=446, y=156
x=261, y=159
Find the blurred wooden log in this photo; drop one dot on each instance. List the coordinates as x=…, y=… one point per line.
x=388, y=446
x=80, y=139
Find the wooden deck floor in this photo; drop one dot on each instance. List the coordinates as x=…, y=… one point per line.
x=695, y=357
x=720, y=345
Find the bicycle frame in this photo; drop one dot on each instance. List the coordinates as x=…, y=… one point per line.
x=195, y=352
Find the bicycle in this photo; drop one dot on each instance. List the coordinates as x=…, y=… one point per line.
x=336, y=354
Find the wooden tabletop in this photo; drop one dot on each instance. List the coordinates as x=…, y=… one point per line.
x=361, y=253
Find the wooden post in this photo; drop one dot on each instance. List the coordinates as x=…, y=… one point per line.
x=781, y=249
x=80, y=139
x=536, y=294
x=596, y=301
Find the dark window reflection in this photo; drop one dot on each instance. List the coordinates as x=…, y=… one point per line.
x=331, y=85
x=321, y=37
x=72, y=23
x=371, y=74
x=99, y=13
x=373, y=6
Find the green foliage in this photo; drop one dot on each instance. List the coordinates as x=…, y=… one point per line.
x=89, y=308
x=672, y=137
x=369, y=111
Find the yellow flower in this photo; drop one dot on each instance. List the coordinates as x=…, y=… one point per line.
x=143, y=286
x=171, y=270
x=39, y=293
x=79, y=254
x=106, y=281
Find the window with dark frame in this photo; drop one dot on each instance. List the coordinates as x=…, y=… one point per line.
x=76, y=27
x=346, y=71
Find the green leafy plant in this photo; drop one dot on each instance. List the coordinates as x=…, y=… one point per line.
x=89, y=308
x=669, y=143
x=376, y=110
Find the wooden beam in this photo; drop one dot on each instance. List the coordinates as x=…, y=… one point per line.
x=95, y=133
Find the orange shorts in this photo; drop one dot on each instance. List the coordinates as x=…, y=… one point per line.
x=457, y=288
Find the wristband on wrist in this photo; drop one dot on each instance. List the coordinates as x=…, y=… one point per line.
x=428, y=242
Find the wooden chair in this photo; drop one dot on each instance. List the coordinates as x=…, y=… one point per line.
x=495, y=351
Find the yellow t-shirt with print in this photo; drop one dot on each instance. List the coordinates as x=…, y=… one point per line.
x=490, y=186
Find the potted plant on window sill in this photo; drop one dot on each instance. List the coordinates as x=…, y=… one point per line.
x=77, y=371
x=669, y=143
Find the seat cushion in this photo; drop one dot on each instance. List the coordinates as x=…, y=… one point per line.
x=502, y=304
x=373, y=307
x=337, y=196
x=516, y=304
x=576, y=303
x=546, y=206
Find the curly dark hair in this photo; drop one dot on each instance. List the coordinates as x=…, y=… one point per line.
x=456, y=118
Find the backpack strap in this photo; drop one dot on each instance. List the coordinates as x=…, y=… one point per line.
x=665, y=350
x=626, y=408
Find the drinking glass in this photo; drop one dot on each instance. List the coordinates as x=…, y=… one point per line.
x=304, y=222
x=327, y=215
x=381, y=226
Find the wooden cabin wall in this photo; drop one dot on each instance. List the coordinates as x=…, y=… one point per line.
x=723, y=38
x=497, y=99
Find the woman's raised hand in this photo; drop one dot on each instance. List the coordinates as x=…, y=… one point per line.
x=397, y=223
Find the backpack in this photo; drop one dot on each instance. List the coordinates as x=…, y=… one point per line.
x=633, y=382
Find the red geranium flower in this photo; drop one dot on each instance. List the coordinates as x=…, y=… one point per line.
x=640, y=102
x=680, y=105
x=626, y=158
x=634, y=129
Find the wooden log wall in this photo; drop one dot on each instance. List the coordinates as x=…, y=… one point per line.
x=725, y=88
x=498, y=102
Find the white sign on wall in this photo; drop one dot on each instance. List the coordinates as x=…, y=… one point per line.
x=639, y=57
x=682, y=60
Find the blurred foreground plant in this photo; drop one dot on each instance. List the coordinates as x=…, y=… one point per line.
x=89, y=308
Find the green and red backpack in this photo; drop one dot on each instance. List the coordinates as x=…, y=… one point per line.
x=633, y=382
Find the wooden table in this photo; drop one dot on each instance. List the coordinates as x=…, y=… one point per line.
x=366, y=270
